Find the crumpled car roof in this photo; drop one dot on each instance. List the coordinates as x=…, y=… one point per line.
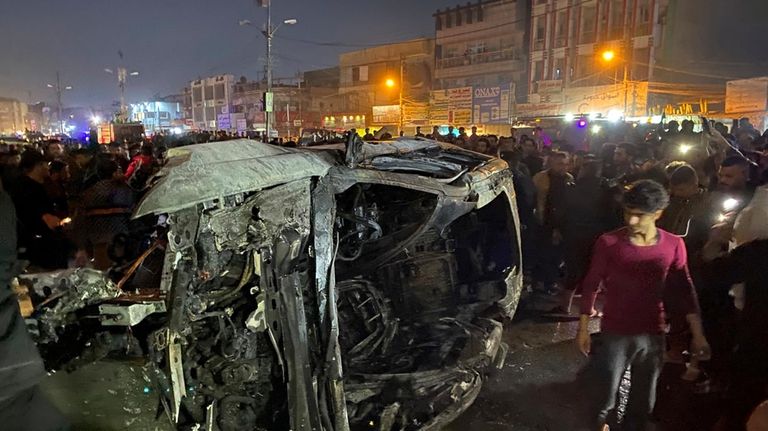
x=203, y=172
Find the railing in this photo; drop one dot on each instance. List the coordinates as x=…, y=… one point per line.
x=479, y=58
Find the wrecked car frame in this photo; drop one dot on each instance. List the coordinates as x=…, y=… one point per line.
x=339, y=287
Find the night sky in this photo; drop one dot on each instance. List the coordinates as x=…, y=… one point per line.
x=171, y=42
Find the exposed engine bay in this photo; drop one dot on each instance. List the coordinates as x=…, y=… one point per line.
x=347, y=292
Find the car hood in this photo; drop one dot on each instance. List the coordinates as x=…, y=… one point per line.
x=204, y=172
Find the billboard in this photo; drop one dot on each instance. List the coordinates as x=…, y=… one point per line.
x=746, y=95
x=223, y=122
x=450, y=106
x=492, y=105
x=386, y=114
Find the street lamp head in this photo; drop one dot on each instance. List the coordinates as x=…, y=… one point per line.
x=68, y=87
x=390, y=83
x=109, y=70
x=134, y=74
x=244, y=22
x=49, y=85
x=608, y=55
x=291, y=21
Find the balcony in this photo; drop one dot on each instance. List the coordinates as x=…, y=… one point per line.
x=503, y=61
x=479, y=58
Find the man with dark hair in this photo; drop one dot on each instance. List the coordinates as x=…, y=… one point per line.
x=105, y=212
x=418, y=132
x=644, y=272
x=56, y=187
x=733, y=177
x=551, y=188
x=435, y=134
x=39, y=230
x=589, y=212
x=623, y=161
x=531, y=157
x=141, y=167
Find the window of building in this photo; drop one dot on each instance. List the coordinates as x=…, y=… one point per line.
x=476, y=47
x=480, y=13
x=537, y=70
x=438, y=23
x=558, y=68
x=458, y=17
x=218, y=91
x=197, y=113
x=197, y=94
x=470, y=15
x=588, y=24
x=164, y=115
x=643, y=18
x=355, y=74
x=210, y=113
x=539, y=32
x=561, y=29
x=208, y=92
x=448, y=20
x=617, y=20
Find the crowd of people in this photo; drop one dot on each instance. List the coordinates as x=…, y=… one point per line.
x=672, y=226
x=72, y=202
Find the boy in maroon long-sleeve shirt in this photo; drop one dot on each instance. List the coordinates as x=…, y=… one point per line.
x=642, y=269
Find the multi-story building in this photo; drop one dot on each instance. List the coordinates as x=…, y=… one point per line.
x=482, y=44
x=157, y=115
x=371, y=78
x=13, y=116
x=288, y=104
x=592, y=56
x=212, y=102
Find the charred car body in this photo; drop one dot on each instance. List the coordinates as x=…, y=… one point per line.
x=339, y=287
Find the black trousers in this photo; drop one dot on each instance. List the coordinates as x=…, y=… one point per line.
x=613, y=354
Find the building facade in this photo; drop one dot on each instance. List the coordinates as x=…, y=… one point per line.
x=371, y=78
x=157, y=115
x=592, y=56
x=211, y=101
x=13, y=116
x=482, y=44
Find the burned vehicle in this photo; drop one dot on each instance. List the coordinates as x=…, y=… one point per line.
x=342, y=287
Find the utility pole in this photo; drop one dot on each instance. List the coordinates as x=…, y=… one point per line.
x=269, y=32
x=268, y=99
x=122, y=77
x=59, y=89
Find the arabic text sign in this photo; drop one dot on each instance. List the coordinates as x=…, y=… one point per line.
x=387, y=114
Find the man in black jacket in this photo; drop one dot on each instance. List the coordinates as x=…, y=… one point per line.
x=22, y=405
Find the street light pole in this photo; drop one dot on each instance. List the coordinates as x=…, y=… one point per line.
x=400, y=101
x=58, y=102
x=269, y=33
x=59, y=89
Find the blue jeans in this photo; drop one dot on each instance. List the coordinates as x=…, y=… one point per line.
x=613, y=354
